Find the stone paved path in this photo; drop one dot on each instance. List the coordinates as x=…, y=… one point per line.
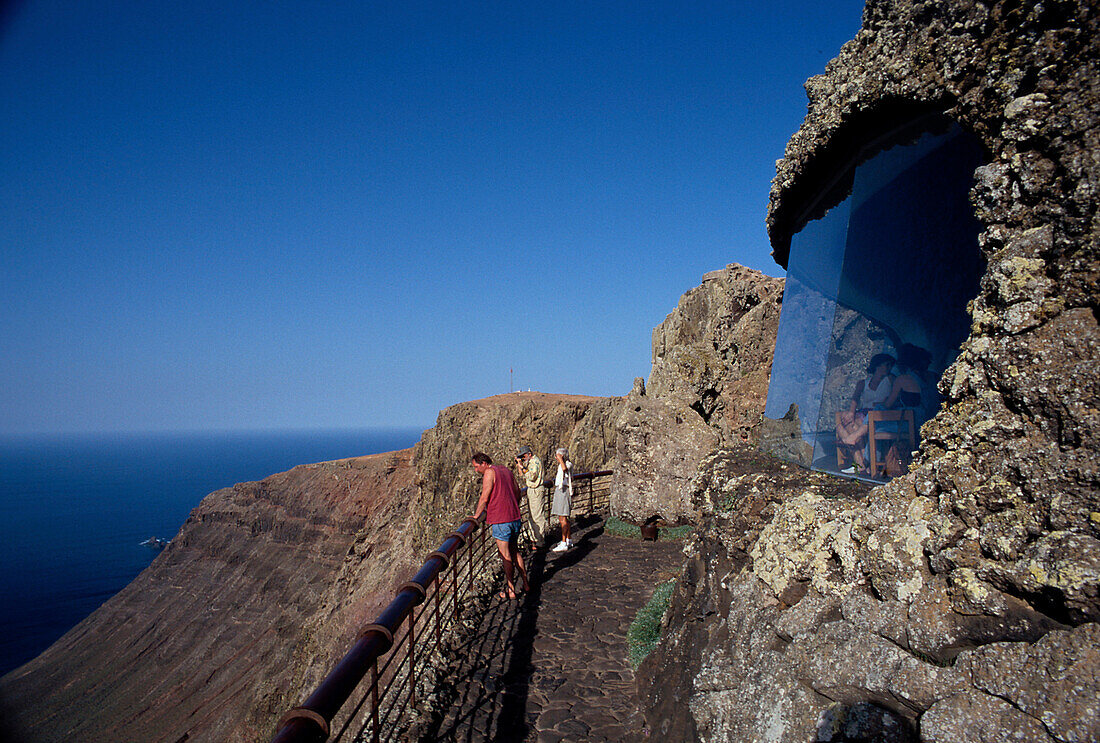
x=552, y=665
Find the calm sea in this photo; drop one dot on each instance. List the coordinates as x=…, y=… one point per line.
x=76, y=509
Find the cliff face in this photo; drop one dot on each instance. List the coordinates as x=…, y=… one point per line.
x=713, y=353
x=959, y=602
x=712, y=358
x=267, y=583
x=252, y=600
x=499, y=426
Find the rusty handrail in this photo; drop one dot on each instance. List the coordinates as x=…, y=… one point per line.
x=311, y=722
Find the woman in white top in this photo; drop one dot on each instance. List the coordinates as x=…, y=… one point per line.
x=563, y=498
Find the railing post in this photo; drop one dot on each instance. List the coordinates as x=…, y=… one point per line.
x=376, y=736
x=470, y=590
x=438, y=618
x=457, y=568
x=412, y=658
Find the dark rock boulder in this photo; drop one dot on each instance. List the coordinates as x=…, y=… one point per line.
x=658, y=447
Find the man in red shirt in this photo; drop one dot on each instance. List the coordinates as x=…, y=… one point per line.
x=499, y=502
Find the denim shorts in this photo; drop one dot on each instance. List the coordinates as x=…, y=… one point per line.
x=506, y=532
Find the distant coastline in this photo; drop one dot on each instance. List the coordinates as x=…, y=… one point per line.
x=77, y=508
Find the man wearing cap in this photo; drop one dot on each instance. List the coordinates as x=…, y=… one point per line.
x=530, y=467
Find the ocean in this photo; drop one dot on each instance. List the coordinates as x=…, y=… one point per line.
x=76, y=510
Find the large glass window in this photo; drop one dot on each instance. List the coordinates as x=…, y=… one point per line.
x=874, y=308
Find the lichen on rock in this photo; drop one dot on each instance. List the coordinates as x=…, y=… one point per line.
x=962, y=598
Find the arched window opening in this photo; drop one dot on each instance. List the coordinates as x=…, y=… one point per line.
x=880, y=272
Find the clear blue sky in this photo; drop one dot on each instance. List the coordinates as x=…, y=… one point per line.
x=267, y=215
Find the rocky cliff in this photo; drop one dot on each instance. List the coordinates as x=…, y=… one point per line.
x=960, y=602
x=711, y=361
x=713, y=353
x=267, y=583
x=499, y=426
x=255, y=597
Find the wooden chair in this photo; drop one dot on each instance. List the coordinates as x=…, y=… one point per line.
x=905, y=435
x=843, y=451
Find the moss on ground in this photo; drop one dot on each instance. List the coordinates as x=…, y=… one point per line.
x=619, y=528
x=645, y=630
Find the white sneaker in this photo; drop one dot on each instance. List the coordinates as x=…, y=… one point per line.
x=560, y=547
x=569, y=543
x=849, y=470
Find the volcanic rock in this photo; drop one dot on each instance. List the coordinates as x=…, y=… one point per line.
x=963, y=597
x=658, y=447
x=713, y=353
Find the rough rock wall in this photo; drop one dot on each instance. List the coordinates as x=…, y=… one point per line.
x=711, y=362
x=499, y=426
x=960, y=601
x=713, y=353
x=260, y=592
x=659, y=445
x=797, y=607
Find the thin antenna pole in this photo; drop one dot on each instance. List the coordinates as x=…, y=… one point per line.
x=511, y=387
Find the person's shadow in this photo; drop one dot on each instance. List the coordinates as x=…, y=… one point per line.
x=513, y=723
x=504, y=640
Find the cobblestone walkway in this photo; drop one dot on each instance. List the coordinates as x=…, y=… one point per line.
x=552, y=665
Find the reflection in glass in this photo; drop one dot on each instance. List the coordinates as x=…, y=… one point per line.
x=888, y=270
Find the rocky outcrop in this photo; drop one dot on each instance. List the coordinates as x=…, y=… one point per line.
x=709, y=381
x=658, y=447
x=713, y=353
x=499, y=426
x=799, y=611
x=711, y=635
x=960, y=601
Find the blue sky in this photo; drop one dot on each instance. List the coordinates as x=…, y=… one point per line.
x=272, y=215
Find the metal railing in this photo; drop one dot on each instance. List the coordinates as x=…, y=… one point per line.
x=589, y=496
x=367, y=696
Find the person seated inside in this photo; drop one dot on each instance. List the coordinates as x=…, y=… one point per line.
x=907, y=390
x=870, y=393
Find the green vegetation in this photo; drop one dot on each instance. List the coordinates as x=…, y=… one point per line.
x=645, y=630
x=619, y=528
x=675, y=533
